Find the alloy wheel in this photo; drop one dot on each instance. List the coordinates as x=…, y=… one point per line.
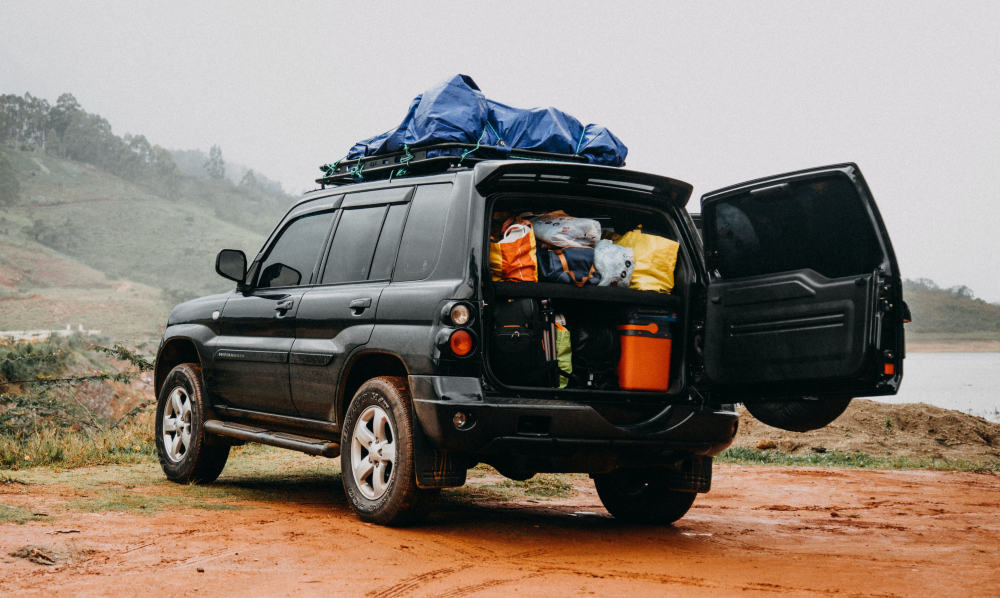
x=373, y=452
x=177, y=424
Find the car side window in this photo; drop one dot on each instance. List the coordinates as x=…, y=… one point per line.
x=423, y=234
x=293, y=255
x=353, y=244
x=792, y=228
x=388, y=242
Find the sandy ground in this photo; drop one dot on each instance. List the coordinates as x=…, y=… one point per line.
x=907, y=430
x=761, y=531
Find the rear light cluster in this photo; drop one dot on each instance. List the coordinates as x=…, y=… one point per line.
x=458, y=338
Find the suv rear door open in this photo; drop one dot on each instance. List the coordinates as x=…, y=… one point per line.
x=804, y=297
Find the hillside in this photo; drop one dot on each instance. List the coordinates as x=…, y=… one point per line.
x=83, y=246
x=950, y=319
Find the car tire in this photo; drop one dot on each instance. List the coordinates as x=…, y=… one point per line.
x=641, y=496
x=377, y=455
x=187, y=453
x=803, y=415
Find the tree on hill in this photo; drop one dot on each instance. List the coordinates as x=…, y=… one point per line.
x=10, y=188
x=66, y=130
x=249, y=180
x=215, y=166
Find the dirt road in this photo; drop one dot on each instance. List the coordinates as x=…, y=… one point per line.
x=760, y=532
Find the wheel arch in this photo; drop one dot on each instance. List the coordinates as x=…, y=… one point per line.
x=361, y=367
x=174, y=352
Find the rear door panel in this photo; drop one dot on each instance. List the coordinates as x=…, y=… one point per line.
x=805, y=293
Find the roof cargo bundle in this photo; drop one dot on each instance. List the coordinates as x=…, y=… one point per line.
x=454, y=123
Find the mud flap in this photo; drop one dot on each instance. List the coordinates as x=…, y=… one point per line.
x=692, y=474
x=436, y=468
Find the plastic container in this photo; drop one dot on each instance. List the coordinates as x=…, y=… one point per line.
x=645, y=350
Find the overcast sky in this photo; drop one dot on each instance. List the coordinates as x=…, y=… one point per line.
x=710, y=93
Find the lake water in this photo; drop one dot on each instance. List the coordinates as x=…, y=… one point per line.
x=967, y=382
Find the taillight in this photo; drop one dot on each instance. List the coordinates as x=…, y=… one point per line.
x=461, y=343
x=457, y=313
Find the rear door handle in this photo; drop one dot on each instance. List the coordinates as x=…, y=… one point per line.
x=359, y=305
x=282, y=307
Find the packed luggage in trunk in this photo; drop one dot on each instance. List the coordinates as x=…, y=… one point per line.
x=584, y=295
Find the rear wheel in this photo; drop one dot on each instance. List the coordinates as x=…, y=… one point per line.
x=641, y=496
x=803, y=415
x=376, y=461
x=187, y=454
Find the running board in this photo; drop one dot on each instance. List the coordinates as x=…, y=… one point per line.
x=303, y=444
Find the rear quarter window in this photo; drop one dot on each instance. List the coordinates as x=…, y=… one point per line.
x=423, y=235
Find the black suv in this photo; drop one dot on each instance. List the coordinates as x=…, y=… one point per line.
x=364, y=328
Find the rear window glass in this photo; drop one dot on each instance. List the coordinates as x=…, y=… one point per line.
x=388, y=242
x=353, y=245
x=423, y=233
x=821, y=224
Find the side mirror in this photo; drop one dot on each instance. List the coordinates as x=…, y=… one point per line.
x=232, y=264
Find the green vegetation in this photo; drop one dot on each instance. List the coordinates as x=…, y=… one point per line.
x=65, y=403
x=109, y=231
x=748, y=456
x=123, y=499
x=9, y=514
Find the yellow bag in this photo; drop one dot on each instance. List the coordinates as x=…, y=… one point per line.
x=655, y=259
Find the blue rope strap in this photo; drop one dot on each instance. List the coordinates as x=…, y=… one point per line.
x=330, y=169
x=478, y=141
x=579, y=144
x=405, y=161
x=500, y=141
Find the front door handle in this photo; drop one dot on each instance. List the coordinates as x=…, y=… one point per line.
x=359, y=305
x=282, y=307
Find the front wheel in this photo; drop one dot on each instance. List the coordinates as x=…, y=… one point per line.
x=187, y=454
x=641, y=496
x=376, y=461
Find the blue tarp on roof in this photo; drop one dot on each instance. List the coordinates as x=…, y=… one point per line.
x=457, y=111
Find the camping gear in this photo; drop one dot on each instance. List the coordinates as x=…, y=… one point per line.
x=457, y=111
x=645, y=343
x=595, y=356
x=564, y=350
x=614, y=264
x=513, y=258
x=570, y=265
x=655, y=259
x=517, y=349
x=559, y=229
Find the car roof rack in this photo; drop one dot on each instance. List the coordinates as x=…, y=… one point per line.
x=429, y=159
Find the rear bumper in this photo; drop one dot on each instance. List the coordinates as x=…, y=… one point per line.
x=556, y=429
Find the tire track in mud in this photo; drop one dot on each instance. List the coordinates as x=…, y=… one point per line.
x=484, y=585
x=413, y=582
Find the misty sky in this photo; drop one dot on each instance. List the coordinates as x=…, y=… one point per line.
x=710, y=93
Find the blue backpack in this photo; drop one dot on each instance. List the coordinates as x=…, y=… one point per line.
x=570, y=265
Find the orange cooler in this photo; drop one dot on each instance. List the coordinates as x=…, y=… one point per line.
x=645, y=351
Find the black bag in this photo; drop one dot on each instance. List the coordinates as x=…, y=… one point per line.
x=517, y=352
x=571, y=265
x=595, y=356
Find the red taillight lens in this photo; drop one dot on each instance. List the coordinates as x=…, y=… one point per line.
x=460, y=343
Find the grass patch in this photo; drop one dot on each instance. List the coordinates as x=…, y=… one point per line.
x=9, y=514
x=131, y=442
x=128, y=500
x=749, y=456
x=543, y=485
